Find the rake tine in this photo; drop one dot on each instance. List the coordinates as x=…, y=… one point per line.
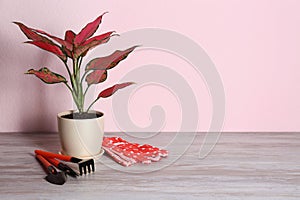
x=89, y=168
x=93, y=168
x=80, y=169
x=86, y=165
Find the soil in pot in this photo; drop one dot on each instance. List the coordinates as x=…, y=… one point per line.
x=82, y=116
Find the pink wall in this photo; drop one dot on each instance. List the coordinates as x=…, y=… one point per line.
x=254, y=44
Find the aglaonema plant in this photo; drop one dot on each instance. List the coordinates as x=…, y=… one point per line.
x=75, y=47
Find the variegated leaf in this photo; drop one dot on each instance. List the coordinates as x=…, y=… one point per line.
x=58, y=40
x=111, y=90
x=83, y=49
x=47, y=76
x=88, y=30
x=69, y=37
x=41, y=41
x=30, y=34
x=95, y=77
x=51, y=47
x=108, y=62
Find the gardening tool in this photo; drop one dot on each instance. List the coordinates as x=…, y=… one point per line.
x=84, y=165
x=54, y=177
x=62, y=166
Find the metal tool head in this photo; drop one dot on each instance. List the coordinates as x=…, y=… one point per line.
x=54, y=177
x=86, y=165
x=68, y=170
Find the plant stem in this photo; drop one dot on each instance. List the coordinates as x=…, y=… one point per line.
x=76, y=101
x=80, y=60
x=83, y=76
x=68, y=87
x=67, y=69
x=79, y=98
x=92, y=104
x=86, y=90
x=74, y=66
x=73, y=94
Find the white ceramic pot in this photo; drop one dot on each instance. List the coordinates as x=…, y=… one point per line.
x=81, y=138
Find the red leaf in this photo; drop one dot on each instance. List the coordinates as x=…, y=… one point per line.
x=28, y=32
x=96, y=77
x=110, y=61
x=41, y=41
x=69, y=37
x=47, y=76
x=31, y=34
x=60, y=41
x=49, y=47
x=98, y=38
x=68, y=52
x=111, y=90
x=83, y=49
x=88, y=31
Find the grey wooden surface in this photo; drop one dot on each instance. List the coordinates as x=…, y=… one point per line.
x=241, y=166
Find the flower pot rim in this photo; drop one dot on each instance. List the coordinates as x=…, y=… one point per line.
x=59, y=115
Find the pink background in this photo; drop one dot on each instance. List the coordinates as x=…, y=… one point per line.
x=254, y=44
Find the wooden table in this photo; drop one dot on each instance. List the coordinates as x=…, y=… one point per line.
x=241, y=166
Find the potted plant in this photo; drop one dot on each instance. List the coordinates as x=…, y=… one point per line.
x=81, y=131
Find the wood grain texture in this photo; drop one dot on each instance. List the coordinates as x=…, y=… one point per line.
x=241, y=166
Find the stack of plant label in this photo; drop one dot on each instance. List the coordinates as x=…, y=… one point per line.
x=126, y=153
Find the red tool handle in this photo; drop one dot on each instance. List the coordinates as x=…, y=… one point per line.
x=53, y=161
x=45, y=163
x=53, y=155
